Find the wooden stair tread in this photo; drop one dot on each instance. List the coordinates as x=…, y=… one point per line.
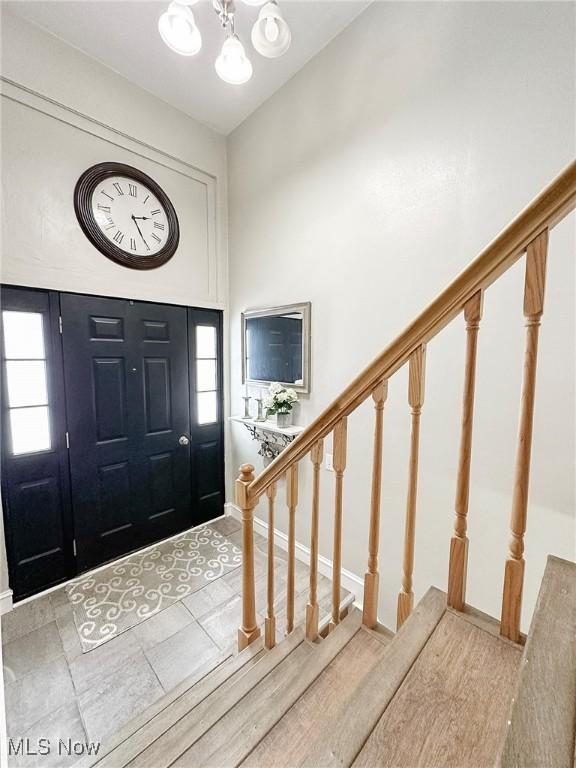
x=170, y=738
x=455, y=697
x=244, y=726
x=344, y=736
x=287, y=743
x=543, y=713
x=380, y=633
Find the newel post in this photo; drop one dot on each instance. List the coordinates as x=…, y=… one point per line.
x=248, y=631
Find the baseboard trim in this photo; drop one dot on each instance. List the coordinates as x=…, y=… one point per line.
x=5, y=601
x=349, y=580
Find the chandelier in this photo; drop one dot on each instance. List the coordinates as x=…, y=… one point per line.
x=270, y=35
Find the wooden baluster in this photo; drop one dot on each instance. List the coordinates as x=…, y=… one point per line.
x=292, y=501
x=270, y=620
x=371, y=577
x=312, y=608
x=415, y=400
x=249, y=631
x=459, y=542
x=339, y=464
x=533, y=308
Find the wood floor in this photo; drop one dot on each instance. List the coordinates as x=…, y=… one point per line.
x=445, y=691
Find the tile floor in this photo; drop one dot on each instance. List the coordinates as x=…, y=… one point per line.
x=53, y=690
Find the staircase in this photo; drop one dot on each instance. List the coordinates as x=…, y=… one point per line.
x=446, y=690
x=452, y=687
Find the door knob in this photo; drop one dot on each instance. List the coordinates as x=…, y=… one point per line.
x=183, y=440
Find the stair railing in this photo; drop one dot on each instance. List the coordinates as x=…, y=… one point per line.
x=528, y=233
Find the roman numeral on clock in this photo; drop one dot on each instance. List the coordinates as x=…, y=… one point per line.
x=132, y=190
x=118, y=188
x=155, y=236
x=157, y=225
x=132, y=244
x=106, y=195
x=103, y=207
x=153, y=213
x=118, y=237
x=145, y=199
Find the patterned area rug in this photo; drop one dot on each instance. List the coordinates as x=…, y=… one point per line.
x=117, y=598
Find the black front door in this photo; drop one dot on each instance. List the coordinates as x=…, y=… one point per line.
x=127, y=398
x=112, y=431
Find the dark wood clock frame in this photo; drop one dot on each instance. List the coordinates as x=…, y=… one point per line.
x=83, y=191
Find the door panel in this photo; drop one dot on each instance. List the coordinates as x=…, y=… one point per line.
x=160, y=348
x=35, y=483
x=109, y=388
x=127, y=397
x=206, y=410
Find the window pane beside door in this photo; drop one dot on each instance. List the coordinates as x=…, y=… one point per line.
x=206, y=375
x=206, y=380
x=25, y=370
x=23, y=335
x=26, y=383
x=30, y=430
x=207, y=403
x=206, y=342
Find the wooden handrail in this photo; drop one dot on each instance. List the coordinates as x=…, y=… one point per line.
x=544, y=212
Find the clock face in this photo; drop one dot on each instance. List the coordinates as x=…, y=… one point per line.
x=126, y=215
x=130, y=216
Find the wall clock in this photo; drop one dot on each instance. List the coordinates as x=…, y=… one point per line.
x=126, y=215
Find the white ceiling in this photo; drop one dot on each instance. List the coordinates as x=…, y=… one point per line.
x=123, y=35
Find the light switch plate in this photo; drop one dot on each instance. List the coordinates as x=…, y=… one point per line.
x=328, y=463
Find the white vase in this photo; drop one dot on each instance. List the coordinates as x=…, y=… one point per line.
x=284, y=419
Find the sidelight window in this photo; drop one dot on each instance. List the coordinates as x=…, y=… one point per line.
x=206, y=374
x=26, y=382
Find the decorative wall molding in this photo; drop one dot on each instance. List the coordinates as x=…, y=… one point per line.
x=349, y=580
x=21, y=94
x=5, y=601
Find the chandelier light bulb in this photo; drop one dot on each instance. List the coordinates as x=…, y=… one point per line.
x=271, y=30
x=233, y=66
x=178, y=29
x=271, y=34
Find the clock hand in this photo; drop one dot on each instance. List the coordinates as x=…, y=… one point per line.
x=140, y=231
x=144, y=218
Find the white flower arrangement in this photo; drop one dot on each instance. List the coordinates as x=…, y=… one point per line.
x=280, y=399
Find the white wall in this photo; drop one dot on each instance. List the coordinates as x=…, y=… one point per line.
x=54, y=126
x=364, y=185
x=61, y=113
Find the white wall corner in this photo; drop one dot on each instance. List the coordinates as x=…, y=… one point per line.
x=348, y=580
x=5, y=601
